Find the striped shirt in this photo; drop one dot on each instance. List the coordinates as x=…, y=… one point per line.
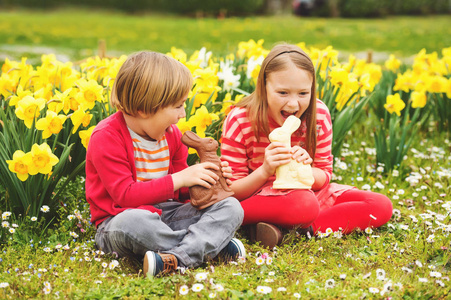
x=151, y=157
x=244, y=154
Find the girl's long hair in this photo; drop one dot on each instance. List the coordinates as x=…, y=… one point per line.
x=257, y=102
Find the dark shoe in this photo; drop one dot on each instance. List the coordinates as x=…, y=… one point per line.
x=159, y=264
x=233, y=250
x=268, y=235
x=306, y=232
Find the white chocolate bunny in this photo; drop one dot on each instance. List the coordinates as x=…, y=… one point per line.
x=294, y=175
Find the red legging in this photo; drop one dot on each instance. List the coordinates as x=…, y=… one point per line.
x=352, y=209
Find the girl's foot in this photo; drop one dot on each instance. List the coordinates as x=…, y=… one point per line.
x=268, y=235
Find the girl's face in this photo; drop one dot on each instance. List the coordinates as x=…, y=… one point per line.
x=288, y=92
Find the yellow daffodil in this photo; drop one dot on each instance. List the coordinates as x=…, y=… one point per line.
x=201, y=119
x=42, y=158
x=205, y=79
x=57, y=74
x=28, y=109
x=70, y=102
x=302, y=46
x=184, y=125
x=227, y=102
x=20, y=164
x=201, y=97
x=20, y=69
x=349, y=66
x=365, y=83
x=67, y=82
x=8, y=84
x=324, y=58
x=45, y=91
x=193, y=65
x=347, y=91
x=48, y=60
x=360, y=67
x=20, y=94
x=436, y=84
x=60, y=101
x=113, y=69
x=89, y=92
x=251, y=48
x=80, y=117
x=254, y=74
x=85, y=135
x=338, y=76
x=446, y=52
x=51, y=124
x=394, y=104
x=392, y=63
x=418, y=99
x=230, y=57
x=404, y=82
x=8, y=65
x=96, y=68
x=375, y=72
x=177, y=54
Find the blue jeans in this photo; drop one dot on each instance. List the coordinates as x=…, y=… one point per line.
x=192, y=235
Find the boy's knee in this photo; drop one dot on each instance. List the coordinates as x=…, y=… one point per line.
x=233, y=208
x=130, y=218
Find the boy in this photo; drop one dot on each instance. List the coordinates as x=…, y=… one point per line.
x=137, y=177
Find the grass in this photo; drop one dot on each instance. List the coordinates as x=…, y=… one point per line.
x=74, y=34
x=407, y=258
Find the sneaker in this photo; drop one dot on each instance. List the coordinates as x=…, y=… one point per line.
x=268, y=235
x=233, y=250
x=159, y=264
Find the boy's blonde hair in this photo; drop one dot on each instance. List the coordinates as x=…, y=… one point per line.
x=148, y=81
x=257, y=103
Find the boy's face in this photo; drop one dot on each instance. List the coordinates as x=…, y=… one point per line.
x=154, y=126
x=288, y=92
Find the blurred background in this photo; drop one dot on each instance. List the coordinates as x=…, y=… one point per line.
x=74, y=30
x=322, y=8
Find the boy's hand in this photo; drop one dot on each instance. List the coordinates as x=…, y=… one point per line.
x=198, y=174
x=301, y=155
x=226, y=172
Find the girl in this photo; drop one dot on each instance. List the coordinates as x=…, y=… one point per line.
x=286, y=86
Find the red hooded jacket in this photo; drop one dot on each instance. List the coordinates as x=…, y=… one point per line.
x=111, y=185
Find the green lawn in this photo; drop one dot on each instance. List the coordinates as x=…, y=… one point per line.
x=408, y=258
x=75, y=34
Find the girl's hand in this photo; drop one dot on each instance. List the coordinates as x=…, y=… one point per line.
x=226, y=172
x=301, y=155
x=198, y=174
x=276, y=154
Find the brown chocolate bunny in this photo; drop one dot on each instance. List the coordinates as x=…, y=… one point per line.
x=202, y=197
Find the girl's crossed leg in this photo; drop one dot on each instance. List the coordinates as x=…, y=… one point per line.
x=355, y=209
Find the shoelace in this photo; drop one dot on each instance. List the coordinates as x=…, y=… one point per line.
x=169, y=263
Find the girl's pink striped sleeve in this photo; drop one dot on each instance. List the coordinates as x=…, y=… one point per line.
x=233, y=147
x=323, y=157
